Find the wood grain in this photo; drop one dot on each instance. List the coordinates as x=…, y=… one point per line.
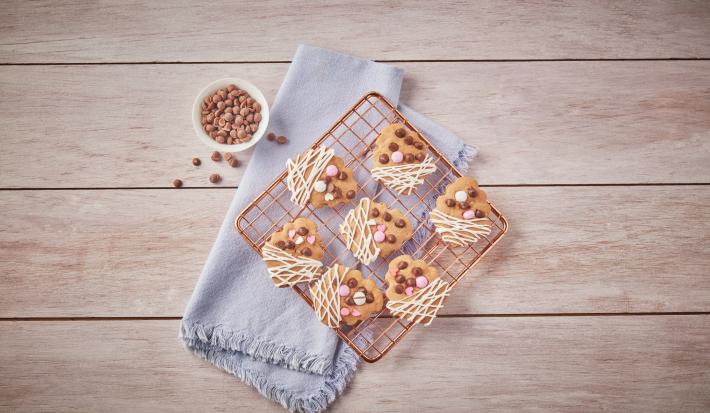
x=535, y=123
x=192, y=32
x=132, y=253
x=552, y=364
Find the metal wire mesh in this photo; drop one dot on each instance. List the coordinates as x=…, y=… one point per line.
x=352, y=138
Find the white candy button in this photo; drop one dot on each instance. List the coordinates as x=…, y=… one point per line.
x=460, y=196
x=320, y=186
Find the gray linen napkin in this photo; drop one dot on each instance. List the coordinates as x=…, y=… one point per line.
x=236, y=318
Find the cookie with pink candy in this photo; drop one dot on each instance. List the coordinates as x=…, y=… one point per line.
x=342, y=295
x=414, y=289
x=461, y=213
x=293, y=254
x=371, y=229
x=401, y=159
x=321, y=178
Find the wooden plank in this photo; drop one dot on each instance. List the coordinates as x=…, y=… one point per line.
x=552, y=364
x=570, y=250
x=535, y=123
x=187, y=31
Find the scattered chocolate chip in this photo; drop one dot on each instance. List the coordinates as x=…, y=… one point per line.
x=387, y=216
x=302, y=231
x=350, y=301
x=411, y=282
x=216, y=156
x=375, y=213
x=419, y=145
x=464, y=205
x=369, y=298
x=338, y=193
x=281, y=244
x=400, y=132
x=177, y=183
x=393, y=147
x=409, y=140
x=290, y=245
x=327, y=179
x=400, y=223
x=391, y=238
x=402, y=265
x=472, y=193
x=400, y=278
x=417, y=271
x=409, y=158
x=480, y=214
x=233, y=162
x=352, y=283
x=350, y=194
x=419, y=157
x=307, y=252
x=384, y=158
x=398, y=289
x=330, y=187
x=362, y=289
x=271, y=136
x=450, y=203
x=196, y=161
x=282, y=140
x=342, y=176
x=214, y=178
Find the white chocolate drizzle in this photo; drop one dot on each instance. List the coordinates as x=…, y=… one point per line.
x=459, y=232
x=304, y=171
x=358, y=234
x=403, y=178
x=324, y=293
x=422, y=306
x=290, y=270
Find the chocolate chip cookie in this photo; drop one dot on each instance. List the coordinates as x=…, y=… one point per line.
x=294, y=253
x=460, y=216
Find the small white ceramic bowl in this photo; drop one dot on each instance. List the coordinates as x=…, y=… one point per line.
x=253, y=91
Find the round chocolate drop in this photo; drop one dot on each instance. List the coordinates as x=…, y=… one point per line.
x=450, y=203
x=464, y=205
x=393, y=146
x=352, y=283
x=387, y=216
x=384, y=158
x=369, y=297
x=480, y=214
x=472, y=193
x=302, y=231
x=342, y=176
x=402, y=265
x=350, y=194
x=419, y=145
x=391, y=238
x=400, y=132
x=400, y=278
x=400, y=223
x=398, y=289
x=419, y=157
x=409, y=140
x=417, y=271
x=375, y=213
x=281, y=245
x=350, y=301
x=411, y=282
x=290, y=245
x=307, y=252
x=409, y=158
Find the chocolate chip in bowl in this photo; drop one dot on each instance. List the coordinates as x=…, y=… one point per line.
x=230, y=115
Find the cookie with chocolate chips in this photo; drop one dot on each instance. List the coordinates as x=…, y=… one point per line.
x=405, y=276
x=336, y=185
x=461, y=212
x=400, y=158
x=293, y=254
x=359, y=297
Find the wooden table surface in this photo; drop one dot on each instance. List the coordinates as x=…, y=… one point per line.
x=593, y=121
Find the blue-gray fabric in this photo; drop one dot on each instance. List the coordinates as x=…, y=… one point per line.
x=236, y=318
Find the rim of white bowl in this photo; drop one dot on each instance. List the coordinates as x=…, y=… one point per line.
x=253, y=91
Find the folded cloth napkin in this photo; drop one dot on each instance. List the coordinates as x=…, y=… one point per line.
x=236, y=318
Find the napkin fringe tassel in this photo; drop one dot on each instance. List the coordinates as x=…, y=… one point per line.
x=217, y=346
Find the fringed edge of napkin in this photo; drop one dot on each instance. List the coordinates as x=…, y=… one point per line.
x=462, y=163
x=217, y=346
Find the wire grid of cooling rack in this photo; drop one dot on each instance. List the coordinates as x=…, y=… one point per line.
x=353, y=138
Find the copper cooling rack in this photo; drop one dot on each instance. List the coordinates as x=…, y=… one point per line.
x=352, y=137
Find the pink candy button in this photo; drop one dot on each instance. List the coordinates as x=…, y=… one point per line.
x=469, y=214
x=409, y=290
x=344, y=311
x=355, y=313
x=344, y=291
x=331, y=170
x=397, y=157
x=422, y=281
x=379, y=236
